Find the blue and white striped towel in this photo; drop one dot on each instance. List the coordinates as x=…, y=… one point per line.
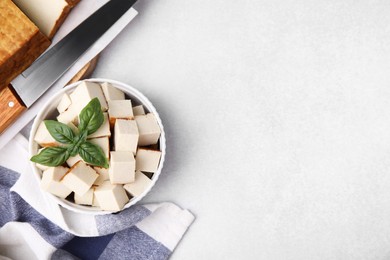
x=31, y=227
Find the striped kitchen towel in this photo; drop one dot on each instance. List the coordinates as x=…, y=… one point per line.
x=31, y=227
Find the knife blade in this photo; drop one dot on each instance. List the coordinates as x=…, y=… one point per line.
x=46, y=70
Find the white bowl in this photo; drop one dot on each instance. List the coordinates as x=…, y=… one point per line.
x=49, y=111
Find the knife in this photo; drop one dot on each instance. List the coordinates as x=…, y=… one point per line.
x=49, y=67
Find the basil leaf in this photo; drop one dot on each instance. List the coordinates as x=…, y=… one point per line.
x=93, y=154
x=91, y=117
x=52, y=156
x=79, y=139
x=73, y=150
x=60, y=132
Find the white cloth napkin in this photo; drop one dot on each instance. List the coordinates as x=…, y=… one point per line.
x=77, y=15
x=156, y=228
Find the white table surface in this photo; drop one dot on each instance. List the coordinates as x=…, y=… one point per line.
x=277, y=116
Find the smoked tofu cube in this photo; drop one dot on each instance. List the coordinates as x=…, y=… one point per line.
x=126, y=135
x=103, y=175
x=138, y=110
x=21, y=43
x=104, y=129
x=122, y=167
x=140, y=184
x=104, y=143
x=85, y=199
x=111, y=197
x=51, y=181
x=68, y=116
x=148, y=128
x=119, y=109
x=64, y=103
x=112, y=93
x=84, y=93
x=147, y=160
x=43, y=137
x=73, y=160
x=80, y=178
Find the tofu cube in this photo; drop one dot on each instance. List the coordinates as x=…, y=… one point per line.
x=103, y=175
x=84, y=93
x=140, y=184
x=122, y=167
x=111, y=197
x=119, y=109
x=138, y=110
x=80, y=178
x=64, y=103
x=104, y=143
x=148, y=128
x=104, y=129
x=42, y=167
x=69, y=116
x=147, y=160
x=95, y=202
x=73, y=160
x=126, y=135
x=43, y=137
x=85, y=199
x=51, y=181
x=112, y=93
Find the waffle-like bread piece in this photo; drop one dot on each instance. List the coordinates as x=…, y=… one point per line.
x=48, y=15
x=21, y=42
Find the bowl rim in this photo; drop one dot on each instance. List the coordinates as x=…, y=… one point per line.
x=43, y=112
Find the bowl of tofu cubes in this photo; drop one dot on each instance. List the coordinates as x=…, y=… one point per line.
x=97, y=146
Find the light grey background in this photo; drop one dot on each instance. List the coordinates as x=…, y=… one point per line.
x=277, y=116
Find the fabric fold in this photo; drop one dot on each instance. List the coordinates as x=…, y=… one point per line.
x=149, y=231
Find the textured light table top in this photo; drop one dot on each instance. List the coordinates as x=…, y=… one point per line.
x=277, y=116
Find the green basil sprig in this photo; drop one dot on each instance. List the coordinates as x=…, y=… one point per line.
x=52, y=156
x=93, y=154
x=60, y=132
x=91, y=118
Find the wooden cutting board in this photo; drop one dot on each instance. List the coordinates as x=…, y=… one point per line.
x=86, y=71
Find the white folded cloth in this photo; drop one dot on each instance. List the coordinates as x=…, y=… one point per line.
x=46, y=230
